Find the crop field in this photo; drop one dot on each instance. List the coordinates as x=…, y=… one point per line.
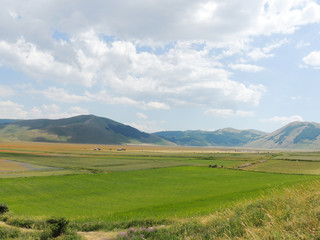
x=126, y=184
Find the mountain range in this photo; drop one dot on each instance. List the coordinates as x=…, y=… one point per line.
x=99, y=130
x=79, y=129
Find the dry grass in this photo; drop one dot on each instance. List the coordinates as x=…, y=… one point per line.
x=61, y=147
x=290, y=214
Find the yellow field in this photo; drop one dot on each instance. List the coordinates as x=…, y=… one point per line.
x=70, y=147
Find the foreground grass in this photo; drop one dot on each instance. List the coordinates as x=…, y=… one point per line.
x=164, y=193
x=289, y=213
x=293, y=213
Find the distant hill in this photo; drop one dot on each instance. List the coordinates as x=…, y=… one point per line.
x=227, y=137
x=99, y=130
x=296, y=135
x=7, y=121
x=79, y=129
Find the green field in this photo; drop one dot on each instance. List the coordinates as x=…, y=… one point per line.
x=124, y=196
x=108, y=187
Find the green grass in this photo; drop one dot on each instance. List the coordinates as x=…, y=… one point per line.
x=127, y=161
x=290, y=162
x=292, y=213
x=125, y=196
x=16, y=133
x=283, y=166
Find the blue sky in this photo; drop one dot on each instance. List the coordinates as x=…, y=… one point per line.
x=162, y=65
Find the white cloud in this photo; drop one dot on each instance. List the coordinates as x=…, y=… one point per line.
x=302, y=44
x=296, y=98
x=13, y=14
x=209, y=20
x=246, y=67
x=274, y=45
x=12, y=110
x=146, y=126
x=51, y=111
x=258, y=54
x=282, y=120
x=142, y=116
x=155, y=105
x=76, y=110
x=284, y=16
x=312, y=59
x=104, y=97
x=39, y=64
x=6, y=91
x=159, y=79
x=265, y=52
x=229, y=113
x=181, y=74
x=61, y=95
x=205, y=12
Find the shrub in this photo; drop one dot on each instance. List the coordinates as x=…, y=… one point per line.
x=57, y=226
x=3, y=208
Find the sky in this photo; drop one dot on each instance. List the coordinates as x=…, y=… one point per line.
x=162, y=64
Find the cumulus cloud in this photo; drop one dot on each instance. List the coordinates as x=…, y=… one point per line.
x=282, y=120
x=61, y=95
x=312, y=59
x=229, y=113
x=12, y=110
x=9, y=109
x=208, y=20
x=40, y=64
x=182, y=73
x=104, y=42
x=246, y=67
x=266, y=52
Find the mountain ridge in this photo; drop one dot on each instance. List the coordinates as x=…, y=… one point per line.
x=101, y=130
x=78, y=129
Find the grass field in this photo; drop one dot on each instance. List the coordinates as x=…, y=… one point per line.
x=124, y=196
x=160, y=184
x=79, y=158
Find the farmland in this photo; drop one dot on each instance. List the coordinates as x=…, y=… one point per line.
x=108, y=188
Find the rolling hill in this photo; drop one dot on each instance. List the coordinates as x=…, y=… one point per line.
x=79, y=129
x=227, y=137
x=296, y=135
x=99, y=130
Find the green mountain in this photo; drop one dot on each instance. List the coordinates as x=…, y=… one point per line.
x=296, y=135
x=227, y=137
x=98, y=130
x=79, y=129
x=6, y=121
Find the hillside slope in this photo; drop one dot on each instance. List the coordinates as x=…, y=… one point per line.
x=227, y=137
x=296, y=135
x=79, y=129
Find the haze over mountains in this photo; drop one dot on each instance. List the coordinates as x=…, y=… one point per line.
x=98, y=130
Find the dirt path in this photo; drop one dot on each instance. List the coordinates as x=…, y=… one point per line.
x=98, y=235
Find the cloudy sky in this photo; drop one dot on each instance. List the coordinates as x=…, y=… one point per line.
x=162, y=64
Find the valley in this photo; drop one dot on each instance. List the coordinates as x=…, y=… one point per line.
x=107, y=190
